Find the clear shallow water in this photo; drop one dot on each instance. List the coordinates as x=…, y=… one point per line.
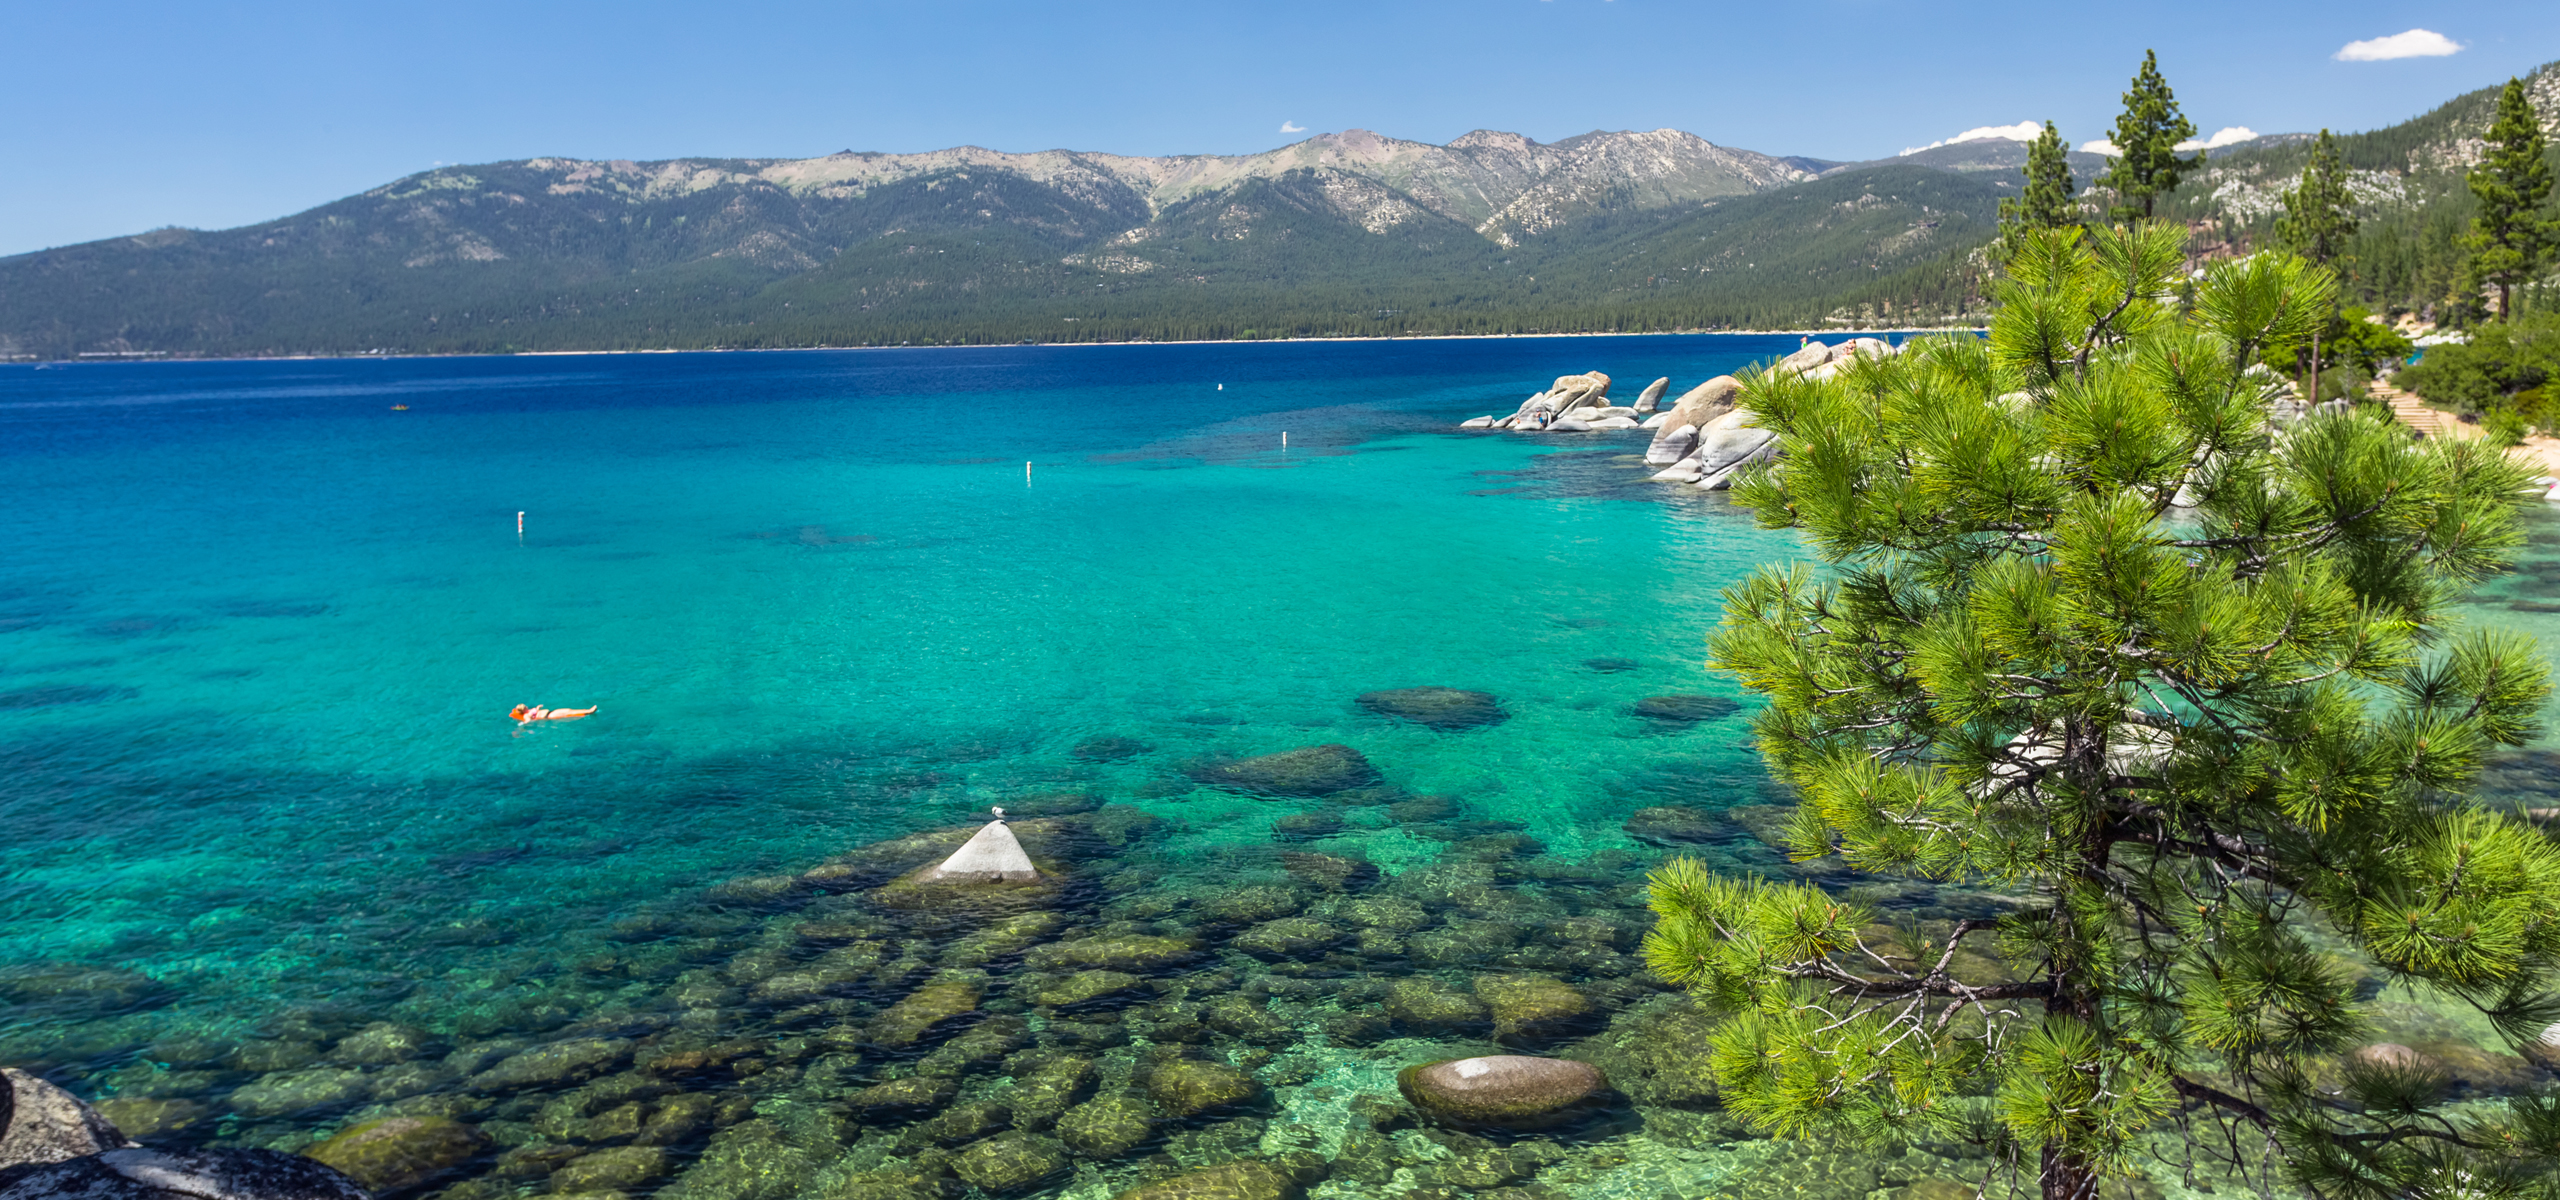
x=259, y=633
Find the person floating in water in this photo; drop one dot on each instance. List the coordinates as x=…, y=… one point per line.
x=528, y=714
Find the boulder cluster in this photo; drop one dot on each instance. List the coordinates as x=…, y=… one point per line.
x=1703, y=439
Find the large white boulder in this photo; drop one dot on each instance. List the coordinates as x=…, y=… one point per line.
x=1729, y=441
x=1813, y=354
x=993, y=856
x=1671, y=445
x=1485, y=422
x=1652, y=397
x=1701, y=405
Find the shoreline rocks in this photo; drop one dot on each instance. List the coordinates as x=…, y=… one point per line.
x=41, y=1123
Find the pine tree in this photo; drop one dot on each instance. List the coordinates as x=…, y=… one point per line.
x=2046, y=203
x=2146, y=139
x=2319, y=213
x=2511, y=240
x=2185, y=736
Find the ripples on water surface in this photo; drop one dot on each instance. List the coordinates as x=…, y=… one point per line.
x=277, y=863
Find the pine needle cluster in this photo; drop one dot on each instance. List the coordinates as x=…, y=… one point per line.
x=2093, y=629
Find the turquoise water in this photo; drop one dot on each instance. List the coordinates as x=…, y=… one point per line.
x=259, y=633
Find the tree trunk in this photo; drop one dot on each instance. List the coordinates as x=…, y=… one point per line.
x=2063, y=1176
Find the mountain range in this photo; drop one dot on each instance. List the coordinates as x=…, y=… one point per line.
x=1351, y=233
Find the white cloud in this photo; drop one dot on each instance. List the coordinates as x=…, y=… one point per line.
x=2230, y=135
x=1292, y=127
x=2417, y=43
x=2100, y=146
x=2023, y=131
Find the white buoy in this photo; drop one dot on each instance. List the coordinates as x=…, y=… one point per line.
x=1284, y=439
x=519, y=524
x=993, y=856
x=1222, y=387
x=1026, y=474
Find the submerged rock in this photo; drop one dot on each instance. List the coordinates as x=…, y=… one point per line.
x=1532, y=1006
x=1686, y=709
x=140, y=1174
x=1428, y=1006
x=554, y=1065
x=612, y=1170
x=1507, y=1091
x=1010, y=1162
x=1443, y=708
x=1189, y=1087
x=1306, y=771
x=1109, y=749
x=902, y=1098
x=1051, y=1086
x=398, y=1154
x=1086, y=987
x=298, y=1091
x=1674, y=825
x=1120, y=952
x=1108, y=1126
x=384, y=1043
x=41, y=1123
x=1330, y=872
x=1246, y=1180
x=1289, y=937
x=1610, y=666
x=912, y=1019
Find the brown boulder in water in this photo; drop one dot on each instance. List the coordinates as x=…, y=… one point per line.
x=1506, y=1091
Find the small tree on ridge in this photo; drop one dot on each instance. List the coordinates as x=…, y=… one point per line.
x=2146, y=138
x=2046, y=202
x=2511, y=240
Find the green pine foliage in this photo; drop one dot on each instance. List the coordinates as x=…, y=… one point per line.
x=2319, y=213
x=2146, y=138
x=2046, y=203
x=2512, y=237
x=2184, y=735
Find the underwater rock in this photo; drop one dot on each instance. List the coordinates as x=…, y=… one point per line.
x=41, y=1123
x=1530, y=1006
x=999, y=939
x=1394, y=914
x=902, y=1098
x=1674, y=825
x=1661, y=1053
x=1330, y=872
x=1422, y=809
x=1686, y=709
x=266, y=1056
x=1085, y=987
x=146, y=1116
x=398, y=1154
x=1505, y=1091
x=564, y=1062
x=1246, y=1180
x=1108, y=749
x=1251, y=905
x=1443, y=708
x=1305, y=771
x=1769, y=823
x=1119, y=952
x=140, y=1174
x=1188, y=1087
x=612, y=1170
x=71, y=988
x=912, y=1019
x=1289, y=937
x=1108, y=1127
x=1010, y=1162
x=754, y=1160
x=1428, y=1006
x=988, y=1041
x=1610, y=666
x=384, y=1043
x=1307, y=826
x=296, y=1091
x=1047, y=1089
x=1247, y=1018
x=957, y=1124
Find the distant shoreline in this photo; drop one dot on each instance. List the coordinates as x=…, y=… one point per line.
x=1416, y=337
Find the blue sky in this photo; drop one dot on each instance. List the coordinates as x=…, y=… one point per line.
x=123, y=116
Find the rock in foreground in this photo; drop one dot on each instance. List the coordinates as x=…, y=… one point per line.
x=41, y=1123
x=397, y=1154
x=1443, y=708
x=139, y=1174
x=1306, y=771
x=1507, y=1091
